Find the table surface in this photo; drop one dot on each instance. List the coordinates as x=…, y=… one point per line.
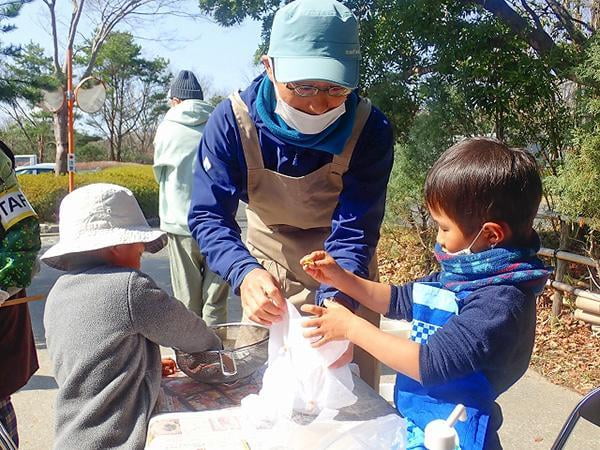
x=213, y=419
x=179, y=393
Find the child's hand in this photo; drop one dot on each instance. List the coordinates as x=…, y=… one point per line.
x=168, y=367
x=331, y=324
x=322, y=267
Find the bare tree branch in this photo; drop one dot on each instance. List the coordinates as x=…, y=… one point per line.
x=532, y=14
x=17, y=114
x=104, y=15
x=110, y=18
x=56, y=62
x=75, y=16
x=567, y=22
x=537, y=37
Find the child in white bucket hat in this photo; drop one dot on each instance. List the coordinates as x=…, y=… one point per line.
x=105, y=320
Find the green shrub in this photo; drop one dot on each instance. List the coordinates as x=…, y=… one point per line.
x=46, y=191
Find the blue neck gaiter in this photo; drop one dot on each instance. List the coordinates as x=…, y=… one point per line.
x=517, y=266
x=330, y=140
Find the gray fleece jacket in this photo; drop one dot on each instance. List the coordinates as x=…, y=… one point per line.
x=104, y=326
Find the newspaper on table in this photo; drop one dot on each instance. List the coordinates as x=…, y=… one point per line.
x=220, y=429
x=227, y=429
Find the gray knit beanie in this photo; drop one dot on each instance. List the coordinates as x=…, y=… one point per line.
x=186, y=86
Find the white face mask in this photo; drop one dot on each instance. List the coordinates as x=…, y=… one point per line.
x=467, y=251
x=306, y=123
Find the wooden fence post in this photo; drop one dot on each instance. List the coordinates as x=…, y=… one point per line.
x=561, y=268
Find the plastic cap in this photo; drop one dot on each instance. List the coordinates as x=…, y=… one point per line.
x=440, y=436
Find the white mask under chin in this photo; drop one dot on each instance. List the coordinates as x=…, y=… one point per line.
x=464, y=251
x=467, y=251
x=307, y=123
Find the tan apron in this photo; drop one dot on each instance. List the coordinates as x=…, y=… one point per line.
x=288, y=217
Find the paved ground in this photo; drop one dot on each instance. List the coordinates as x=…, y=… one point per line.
x=534, y=409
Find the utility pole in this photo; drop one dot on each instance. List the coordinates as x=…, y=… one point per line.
x=71, y=134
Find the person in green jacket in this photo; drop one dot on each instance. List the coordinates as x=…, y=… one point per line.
x=175, y=148
x=19, y=246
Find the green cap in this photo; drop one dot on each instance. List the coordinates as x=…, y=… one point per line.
x=315, y=40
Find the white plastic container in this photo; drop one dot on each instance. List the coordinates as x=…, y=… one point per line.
x=441, y=435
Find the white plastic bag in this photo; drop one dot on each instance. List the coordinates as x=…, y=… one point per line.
x=387, y=432
x=298, y=377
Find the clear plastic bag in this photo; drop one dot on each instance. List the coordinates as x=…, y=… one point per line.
x=387, y=432
x=301, y=396
x=298, y=377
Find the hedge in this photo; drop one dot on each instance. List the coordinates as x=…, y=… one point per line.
x=46, y=191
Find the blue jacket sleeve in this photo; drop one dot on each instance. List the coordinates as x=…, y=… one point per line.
x=401, y=300
x=357, y=218
x=216, y=192
x=496, y=326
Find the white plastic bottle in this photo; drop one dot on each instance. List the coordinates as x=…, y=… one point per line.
x=441, y=435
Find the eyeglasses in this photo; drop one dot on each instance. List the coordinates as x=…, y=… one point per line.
x=306, y=90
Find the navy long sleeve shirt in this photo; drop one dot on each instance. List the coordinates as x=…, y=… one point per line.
x=493, y=333
x=220, y=181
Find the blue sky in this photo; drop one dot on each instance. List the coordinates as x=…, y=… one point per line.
x=222, y=58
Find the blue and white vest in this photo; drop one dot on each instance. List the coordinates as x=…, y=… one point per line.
x=432, y=308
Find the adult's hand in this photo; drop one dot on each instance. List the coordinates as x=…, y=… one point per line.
x=262, y=298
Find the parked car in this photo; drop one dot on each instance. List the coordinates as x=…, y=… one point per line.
x=25, y=160
x=35, y=169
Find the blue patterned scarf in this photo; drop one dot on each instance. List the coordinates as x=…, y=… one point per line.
x=518, y=266
x=330, y=140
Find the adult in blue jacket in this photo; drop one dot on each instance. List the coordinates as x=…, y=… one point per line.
x=310, y=157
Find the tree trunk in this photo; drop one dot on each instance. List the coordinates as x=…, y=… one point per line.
x=119, y=147
x=595, y=13
x=111, y=147
x=41, y=148
x=61, y=135
x=499, y=125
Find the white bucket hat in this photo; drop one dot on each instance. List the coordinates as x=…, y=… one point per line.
x=98, y=216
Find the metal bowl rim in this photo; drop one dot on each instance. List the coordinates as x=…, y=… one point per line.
x=219, y=325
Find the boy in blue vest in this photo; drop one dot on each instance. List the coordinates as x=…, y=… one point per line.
x=473, y=323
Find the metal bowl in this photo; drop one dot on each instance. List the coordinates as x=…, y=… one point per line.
x=245, y=350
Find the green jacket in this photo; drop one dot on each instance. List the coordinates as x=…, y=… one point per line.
x=18, y=252
x=19, y=245
x=175, y=149
x=19, y=232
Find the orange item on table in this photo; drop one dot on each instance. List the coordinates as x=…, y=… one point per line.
x=169, y=367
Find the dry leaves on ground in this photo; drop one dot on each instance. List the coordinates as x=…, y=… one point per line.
x=566, y=351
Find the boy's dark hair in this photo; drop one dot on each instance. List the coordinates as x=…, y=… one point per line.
x=482, y=180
